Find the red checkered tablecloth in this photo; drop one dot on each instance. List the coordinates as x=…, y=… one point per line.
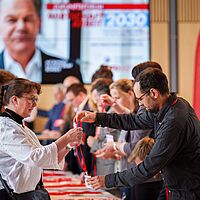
x=64, y=186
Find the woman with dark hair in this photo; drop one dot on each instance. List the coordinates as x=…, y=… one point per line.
x=22, y=157
x=5, y=78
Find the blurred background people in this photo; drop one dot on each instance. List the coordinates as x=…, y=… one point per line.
x=104, y=71
x=55, y=115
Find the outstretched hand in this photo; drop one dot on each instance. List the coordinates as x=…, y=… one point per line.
x=85, y=116
x=97, y=182
x=107, y=99
x=74, y=136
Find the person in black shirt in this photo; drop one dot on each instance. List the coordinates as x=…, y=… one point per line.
x=176, y=152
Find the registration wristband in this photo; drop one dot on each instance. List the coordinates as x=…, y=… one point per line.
x=86, y=177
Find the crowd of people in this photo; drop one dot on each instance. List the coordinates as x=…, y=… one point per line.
x=134, y=137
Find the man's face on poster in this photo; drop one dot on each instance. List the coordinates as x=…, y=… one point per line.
x=19, y=24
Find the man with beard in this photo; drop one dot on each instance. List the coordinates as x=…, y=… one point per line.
x=176, y=152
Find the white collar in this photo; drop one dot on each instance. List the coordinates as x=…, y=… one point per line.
x=33, y=69
x=9, y=62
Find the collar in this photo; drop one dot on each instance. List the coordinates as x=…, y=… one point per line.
x=34, y=64
x=171, y=101
x=13, y=115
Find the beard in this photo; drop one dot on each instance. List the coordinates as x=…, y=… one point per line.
x=154, y=108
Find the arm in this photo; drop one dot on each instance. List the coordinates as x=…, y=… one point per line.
x=131, y=121
x=167, y=146
x=73, y=136
x=118, y=108
x=142, y=120
x=14, y=140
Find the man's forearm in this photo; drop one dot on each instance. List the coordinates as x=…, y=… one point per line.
x=126, y=178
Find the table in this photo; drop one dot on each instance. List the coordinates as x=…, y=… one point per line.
x=66, y=186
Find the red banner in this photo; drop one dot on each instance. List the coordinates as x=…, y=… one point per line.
x=196, y=98
x=94, y=6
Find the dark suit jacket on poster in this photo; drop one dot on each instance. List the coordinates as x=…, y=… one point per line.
x=54, y=70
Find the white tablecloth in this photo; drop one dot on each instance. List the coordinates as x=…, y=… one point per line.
x=64, y=186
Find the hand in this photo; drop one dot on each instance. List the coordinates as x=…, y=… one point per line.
x=74, y=135
x=109, y=146
x=97, y=182
x=106, y=99
x=90, y=141
x=85, y=116
x=105, y=154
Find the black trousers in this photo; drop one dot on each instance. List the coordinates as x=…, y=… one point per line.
x=4, y=195
x=148, y=191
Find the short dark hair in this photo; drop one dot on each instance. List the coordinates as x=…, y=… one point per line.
x=20, y=86
x=103, y=72
x=142, y=66
x=153, y=78
x=76, y=88
x=101, y=85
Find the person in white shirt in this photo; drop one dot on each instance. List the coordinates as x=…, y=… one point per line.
x=22, y=157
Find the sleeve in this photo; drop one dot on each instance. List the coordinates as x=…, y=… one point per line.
x=135, y=137
x=95, y=146
x=98, y=143
x=167, y=146
x=14, y=141
x=115, y=133
x=142, y=120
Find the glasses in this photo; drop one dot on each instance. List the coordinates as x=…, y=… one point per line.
x=32, y=99
x=139, y=99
